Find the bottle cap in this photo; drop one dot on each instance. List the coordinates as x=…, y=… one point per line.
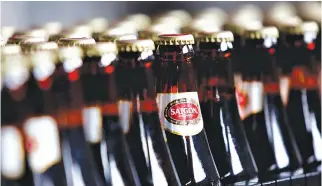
x=247, y=13
x=2, y=42
x=141, y=21
x=40, y=46
x=295, y=25
x=310, y=10
x=80, y=31
x=280, y=11
x=7, y=32
x=37, y=32
x=241, y=28
x=14, y=66
x=24, y=39
x=213, y=15
x=183, y=16
x=215, y=37
x=98, y=24
x=75, y=42
x=53, y=28
x=175, y=39
x=135, y=45
x=70, y=52
x=10, y=49
x=271, y=32
x=101, y=48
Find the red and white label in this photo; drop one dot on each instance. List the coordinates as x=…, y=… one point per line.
x=125, y=111
x=249, y=97
x=92, y=118
x=42, y=143
x=180, y=113
x=12, y=152
x=285, y=83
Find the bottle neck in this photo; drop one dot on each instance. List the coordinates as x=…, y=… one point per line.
x=215, y=61
x=258, y=59
x=137, y=74
x=296, y=51
x=176, y=69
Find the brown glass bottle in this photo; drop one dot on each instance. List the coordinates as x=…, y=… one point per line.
x=99, y=67
x=69, y=96
x=15, y=169
x=300, y=88
x=44, y=144
x=121, y=169
x=226, y=136
x=260, y=45
x=179, y=112
x=144, y=134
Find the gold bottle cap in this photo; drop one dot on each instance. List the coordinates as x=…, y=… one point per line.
x=141, y=21
x=114, y=36
x=279, y=11
x=212, y=15
x=202, y=25
x=10, y=49
x=14, y=66
x=2, y=42
x=183, y=16
x=98, y=24
x=271, y=32
x=101, y=48
x=246, y=13
x=291, y=25
x=80, y=31
x=135, y=45
x=37, y=32
x=41, y=46
x=215, y=37
x=25, y=39
x=53, y=28
x=7, y=32
x=310, y=26
x=241, y=28
x=76, y=42
x=70, y=52
x=175, y=39
x=310, y=10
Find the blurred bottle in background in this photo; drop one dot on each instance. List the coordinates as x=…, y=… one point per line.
x=223, y=126
x=15, y=169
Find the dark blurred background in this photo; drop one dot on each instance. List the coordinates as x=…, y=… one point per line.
x=25, y=14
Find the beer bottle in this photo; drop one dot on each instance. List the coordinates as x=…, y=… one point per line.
x=144, y=132
x=226, y=136
x=299, y=89
x=44, y=146
x=15, y=170
x=68, y=85
x=96, y=56
x=98, y=25
x=120, y=169
x=267, y=120
x=180, y=114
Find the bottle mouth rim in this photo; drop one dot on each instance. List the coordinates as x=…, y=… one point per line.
x=173, y=35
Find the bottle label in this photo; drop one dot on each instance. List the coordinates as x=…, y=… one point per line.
x=92, y=118
x=249, y=97
x=42, y=143
x=285, y=83
x=125, y=111
x=180, y=113
x=12, y=153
